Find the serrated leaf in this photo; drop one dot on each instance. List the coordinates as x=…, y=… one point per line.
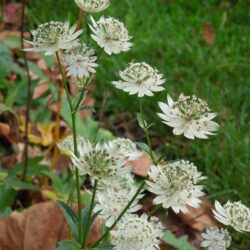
x=180, y=243
x=68, y=245
x=70, y=218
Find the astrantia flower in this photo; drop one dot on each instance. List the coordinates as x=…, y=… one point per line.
x=101, y=161
x=127, y=148
x=216, y=239
x=175, y=185
x=234, y=214
x=79, y=60
x=140, y=79
x=137, y=233
x=111, y=35
x=93, y=6
x=52, y=36
x=112, y=200
x=190, y=116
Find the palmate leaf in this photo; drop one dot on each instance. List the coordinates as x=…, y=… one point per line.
x=179, y=243
x=70, y=218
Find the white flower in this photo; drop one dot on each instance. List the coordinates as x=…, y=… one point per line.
x=216, y=239
x=140, y=79
x=175, y=185
x=233, y=214
x=113, y=199
x=190, y=116
x=137, y=233
x=102, y=162
x=111, y=35
x=127, y=148
x=52, y=36
x=93, y=6
x=79, y=60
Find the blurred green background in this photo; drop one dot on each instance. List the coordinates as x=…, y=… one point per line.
x=168, y=35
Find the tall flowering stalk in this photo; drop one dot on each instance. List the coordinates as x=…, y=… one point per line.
x=115, y=194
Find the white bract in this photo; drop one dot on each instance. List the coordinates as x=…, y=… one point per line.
x=137, y=233
x=141, y=79
x=175, y=185
x=111, y=35
x=79, y=60
x=190, y=116
x=53, y=36
x=92, y=6
x=127, y=148
x=233, y=214
x=216, y=239
x=113, y=199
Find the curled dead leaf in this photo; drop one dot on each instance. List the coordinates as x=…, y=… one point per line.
x=208, y=34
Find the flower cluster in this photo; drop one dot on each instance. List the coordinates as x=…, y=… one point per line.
x=111, y=35
x=175, y=185
x=233, y=214
x=79, y=60
x=216, y=239
x=190, y=116
x=137, y=233
x=140, y=79
x=92, y=6
x=53, y=36
x=111, y=201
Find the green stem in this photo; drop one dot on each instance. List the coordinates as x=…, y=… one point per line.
x=78, y=187
x=121, y=215
x=147, y=134
x=85, y=240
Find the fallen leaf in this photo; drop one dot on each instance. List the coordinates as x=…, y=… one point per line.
x=208, y=34
x=40, y=227
x=40, y=89
x=199, y=218
x=140, y=166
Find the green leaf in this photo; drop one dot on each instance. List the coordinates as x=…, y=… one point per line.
x=104, y=246
x=18, y=185
x=80, y=99
x=144, y=147
x=70, y=218
x=179, y=243
x=91, y=108
x=7, y=197
x=141, y=121
x=68, y=245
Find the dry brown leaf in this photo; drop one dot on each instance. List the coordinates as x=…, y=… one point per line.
x=40, y=89
x=208, y=34
x=38, y=228
x=199, y=218
x=140, y=166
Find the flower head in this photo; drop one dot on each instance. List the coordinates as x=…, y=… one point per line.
x=79, y=60
x=52, y=36
x=216, y=239
x=93, y=6
x=140, y=79
x=137, y=233
x=175, y=185
x=234, y=214
x=190, y=116
x=111, y=35
x=127, y=148
x=113, y=199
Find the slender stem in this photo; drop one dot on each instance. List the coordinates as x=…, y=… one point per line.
x=121, y=214
x=28, y=102
x=147, y=134
x=85, y=240
x=78, y=187
x=153, y=210
x=80, y=16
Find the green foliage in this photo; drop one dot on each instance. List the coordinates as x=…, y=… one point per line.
x=179, y=243
x=68, y=245
x=70, y=218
